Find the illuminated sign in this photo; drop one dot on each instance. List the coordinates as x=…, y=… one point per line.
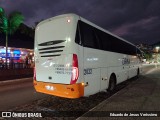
x=4, y=51
x=16, y=52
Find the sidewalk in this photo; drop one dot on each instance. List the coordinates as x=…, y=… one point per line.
x=11, y=74
x=142, y=95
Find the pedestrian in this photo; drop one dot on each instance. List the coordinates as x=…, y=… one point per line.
x=26, y=62
x=29, y=63
x=12, y=63
x=1, y=63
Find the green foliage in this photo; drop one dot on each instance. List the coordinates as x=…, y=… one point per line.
x=3, y=21
x=15, y=19
x=1, y=10
x=9, y=24
x=147, y=56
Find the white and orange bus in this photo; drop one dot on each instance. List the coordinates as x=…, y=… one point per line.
x=75, y=58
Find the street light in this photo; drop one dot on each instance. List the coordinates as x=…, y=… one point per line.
x=157, y=50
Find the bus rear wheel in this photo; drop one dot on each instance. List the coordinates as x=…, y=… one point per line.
x=137, y=73
x=112, y=83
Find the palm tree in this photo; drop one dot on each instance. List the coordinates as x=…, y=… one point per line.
x=9, y=24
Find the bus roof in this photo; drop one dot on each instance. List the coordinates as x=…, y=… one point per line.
x=86, y=21
x=57, y=17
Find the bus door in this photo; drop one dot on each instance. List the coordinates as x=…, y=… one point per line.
x=132, y=66
x=125, y=68
x=91, y=72
x=104, y=79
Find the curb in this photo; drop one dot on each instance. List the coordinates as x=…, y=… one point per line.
x=105, y=101
x=101, y=103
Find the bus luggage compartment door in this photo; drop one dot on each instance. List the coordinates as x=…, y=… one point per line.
x=92, y=81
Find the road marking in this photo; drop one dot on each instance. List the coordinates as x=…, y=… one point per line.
x=150, y=71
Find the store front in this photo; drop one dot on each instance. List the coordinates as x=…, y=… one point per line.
x=17, y=56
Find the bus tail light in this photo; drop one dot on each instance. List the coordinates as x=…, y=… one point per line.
x=75, y=71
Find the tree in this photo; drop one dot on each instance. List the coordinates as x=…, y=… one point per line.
x=9, y=24
x=148, y=56
x=29, y=31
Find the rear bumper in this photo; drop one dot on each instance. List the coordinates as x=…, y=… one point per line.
x=61, y=90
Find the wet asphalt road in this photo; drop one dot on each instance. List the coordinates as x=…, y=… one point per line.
x=18, y=93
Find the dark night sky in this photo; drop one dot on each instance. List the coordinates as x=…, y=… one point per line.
x=137, y=21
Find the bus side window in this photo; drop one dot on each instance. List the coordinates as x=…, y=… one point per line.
x=103, y=40
x=77, y=37
x=96, y=39
x=87, y=36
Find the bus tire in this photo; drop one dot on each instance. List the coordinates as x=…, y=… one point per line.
x=137, y=73
x=112, y=83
